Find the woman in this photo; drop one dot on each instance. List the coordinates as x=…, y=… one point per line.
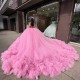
x=33, y=54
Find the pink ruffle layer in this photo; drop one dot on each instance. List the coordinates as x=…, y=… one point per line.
x=33, y=54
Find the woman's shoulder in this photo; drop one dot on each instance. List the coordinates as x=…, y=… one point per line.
x=31, y=26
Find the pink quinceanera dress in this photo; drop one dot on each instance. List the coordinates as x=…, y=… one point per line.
x=33, y=54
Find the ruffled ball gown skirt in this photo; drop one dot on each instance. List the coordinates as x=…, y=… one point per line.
x=33, y=54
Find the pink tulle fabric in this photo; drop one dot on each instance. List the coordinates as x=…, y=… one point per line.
x=33, y=54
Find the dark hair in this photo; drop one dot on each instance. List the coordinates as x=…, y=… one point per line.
x=32, y=21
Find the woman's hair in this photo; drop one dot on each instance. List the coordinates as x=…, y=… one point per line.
x=31, y=20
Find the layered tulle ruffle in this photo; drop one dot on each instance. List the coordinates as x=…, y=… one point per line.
x=33, y=54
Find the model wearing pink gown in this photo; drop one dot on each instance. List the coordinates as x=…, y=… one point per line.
x=33, y=54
